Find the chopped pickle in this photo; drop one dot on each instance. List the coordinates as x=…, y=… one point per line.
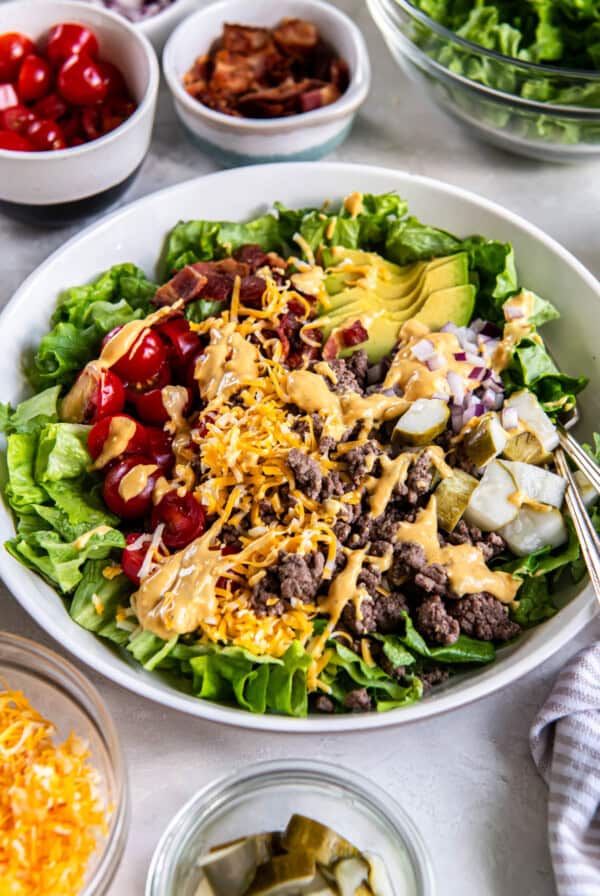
x=305, y=835
x=230, y=869
x=425, y=419
x=489, y=505
x=586, y=489
x=350, y=875
x=534, y=418
x=536, y=483
x=379, y=881
x=485, y=441
x=526, y=447
x=284, y=875
x=532, y=530
x=452, y=498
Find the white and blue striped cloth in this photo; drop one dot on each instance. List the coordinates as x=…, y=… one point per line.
x=565, y=744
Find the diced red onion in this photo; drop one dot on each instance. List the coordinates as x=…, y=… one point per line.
x=468, y=415
x=460, y=356
x=493, y=384
x=423, y=350
x=467, y=339
x=490, y=329
x=477, y=373
x=435, y=362
x=477, y=325
x=456, y=419
x=489, y=398
x=510, y=418
x=512, y=312
x=449, y=328
x=473, y=358
x=456, y=386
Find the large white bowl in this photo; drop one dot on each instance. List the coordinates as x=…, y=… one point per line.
x=136, y=232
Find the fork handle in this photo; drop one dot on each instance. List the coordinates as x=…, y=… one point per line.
x=586, y=464
x=587, y=535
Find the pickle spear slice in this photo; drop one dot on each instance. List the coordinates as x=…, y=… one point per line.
x=489, y=505
x=538, y=484
x=306, y=836
x=229, y=869
x=485, y=440
x=527, y=448
x=452, y=498
x=351, y=875
x=379, y=881
x=286, y=875
x=531, y=413
x=532, y=530
x=586, y=489
x=425, y=419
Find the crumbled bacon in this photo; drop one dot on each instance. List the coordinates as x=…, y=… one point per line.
x=263, y=73
x=354, y=334
x=187, y=284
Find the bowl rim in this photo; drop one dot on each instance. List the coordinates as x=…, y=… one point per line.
x=347, y=103
x=535, y=67
x=142, y=109
x=358, y=785
x=160, y=18
x=112, y=852
x=117, y=669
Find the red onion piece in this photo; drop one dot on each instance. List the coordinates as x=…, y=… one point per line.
x=449, y=328
x=456, y=386
x=435, y=362
x=477, y=373
x=423, y=350
x=512, y=313
x=460, y=356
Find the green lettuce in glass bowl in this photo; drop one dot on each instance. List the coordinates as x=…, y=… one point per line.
x=486, y=72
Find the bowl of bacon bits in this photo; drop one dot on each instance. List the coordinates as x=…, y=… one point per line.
x=78, y=90
x=63, y=788
x=263, y=82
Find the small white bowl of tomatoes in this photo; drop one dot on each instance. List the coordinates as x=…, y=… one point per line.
x=78, y=88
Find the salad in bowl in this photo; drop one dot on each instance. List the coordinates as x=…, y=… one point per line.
x=310, y=468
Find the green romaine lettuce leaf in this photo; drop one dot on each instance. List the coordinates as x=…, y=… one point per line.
x=62, y=452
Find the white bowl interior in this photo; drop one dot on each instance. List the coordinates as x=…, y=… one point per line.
x=136, y=234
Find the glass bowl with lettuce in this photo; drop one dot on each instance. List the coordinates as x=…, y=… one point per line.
x=309, y=468
x=523, y=76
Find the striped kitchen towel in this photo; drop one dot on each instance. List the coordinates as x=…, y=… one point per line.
x=565, y=744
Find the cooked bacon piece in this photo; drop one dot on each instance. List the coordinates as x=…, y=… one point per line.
x=354, y=334
x=246, y=38
x=256, y=258
x=229, y=266
x=296, y=36
x=233, y=73
x=187, y=284
x=274, y=102
x=319, y=96
x=339, y=74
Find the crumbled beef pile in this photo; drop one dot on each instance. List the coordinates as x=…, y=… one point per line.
x=294, y=577
x=255, y=72
x=350, y=373
x=358, y=700
x=360, y=460
x=214, y=280
x=482, y=616
x=310, y=478
x=379, y=613
x=433, y=621
x=490, y=543
x=433, y=676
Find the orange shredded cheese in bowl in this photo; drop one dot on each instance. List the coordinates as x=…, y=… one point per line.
x=52, y=818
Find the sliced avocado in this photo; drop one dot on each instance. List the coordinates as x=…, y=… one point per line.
x=452, y=498
x=455, y=304
x=306, y=836
x=383, y=296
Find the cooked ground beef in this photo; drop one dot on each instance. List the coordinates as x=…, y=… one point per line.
x=409, y=558
x=307, y=472
x=326, y=445
x=359, y=460
x=266, y=600
x=434, y=675
x=322, y=703
x=351, y=373
x=419, y=479
x=490, y=543
x=370, y=578
x=382, y=614
x=332, y=486
x=433, y=579
x=300, y=575
x=484, y=617
x=434, y=623
x=358, y=700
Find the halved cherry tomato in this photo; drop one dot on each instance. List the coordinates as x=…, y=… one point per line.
x=52, y=106
x=160, y=449
x=180, y=340
x=114, y=80
x=17, y=118
x=70, y=39
x=141, y=366
x=80, y=81
x=183, y=516
x=91, y=122
x=8, y=97
x=13, y=50
x=151, y=408
x=98, y=435
x=46, y=135
x=35, y=78
x=115, y=112
x=15, y=142
x=133, y=558
x=71, y=127
x=137, y=506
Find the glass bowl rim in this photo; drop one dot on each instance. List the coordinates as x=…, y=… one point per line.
x=67, y=679
x=535, y=67
x=367, y=791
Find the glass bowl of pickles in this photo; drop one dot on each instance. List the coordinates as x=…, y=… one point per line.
x=291, y=828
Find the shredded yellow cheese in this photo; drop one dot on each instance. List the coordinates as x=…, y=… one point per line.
x=51, y=815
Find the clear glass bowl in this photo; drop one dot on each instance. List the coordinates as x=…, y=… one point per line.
x=60, y=693
x=264, y=796
x=499, y=99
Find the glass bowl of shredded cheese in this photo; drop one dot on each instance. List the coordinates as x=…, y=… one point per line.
x=64, y=805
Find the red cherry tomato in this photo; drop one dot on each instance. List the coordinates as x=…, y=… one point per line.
x=15, y=142
x=80, y=81
x=142, y=365
x=52, y=106
x=133, y=558
x=69, y=39
x=137, y=506
x=100, y=393
x=114, y=80
x=8, y=97
x=91, y=122
x=151, y=408
x=35, y=78
x=17, y=118
x=71, y=127
x=98, y=435
x=13, y=50
x=183, y=516
x=46, y=135
x=180, y=340
x=160, y=449
x=115, y=112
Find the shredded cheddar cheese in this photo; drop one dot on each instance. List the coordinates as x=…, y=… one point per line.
x=51, y=815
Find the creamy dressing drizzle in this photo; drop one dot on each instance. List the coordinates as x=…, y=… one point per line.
x=466, y=567
x=81, y=542
x=125, y=340
x=135, y=481
x=228, y=361
x=120, y=432
x=354, y=204
x=394, y=472
x=343, y=589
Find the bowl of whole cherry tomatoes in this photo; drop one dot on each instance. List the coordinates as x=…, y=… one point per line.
x=78, y=88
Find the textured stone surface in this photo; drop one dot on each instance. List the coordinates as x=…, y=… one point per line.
x=466, y=778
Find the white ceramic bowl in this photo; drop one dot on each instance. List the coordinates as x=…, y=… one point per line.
x=242, y=141
x=136, y=233
x=51, y=187
x=158, y=28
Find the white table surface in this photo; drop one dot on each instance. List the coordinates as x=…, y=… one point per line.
x=467, y=777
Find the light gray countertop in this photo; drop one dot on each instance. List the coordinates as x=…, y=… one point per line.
x=467, y=777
